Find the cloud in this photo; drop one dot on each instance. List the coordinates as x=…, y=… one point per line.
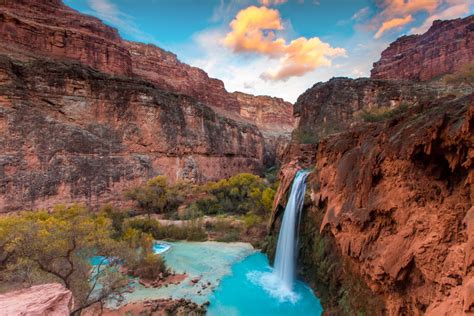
x=361, y=14
x=393, y=23
x=398, y=13
x=110, y=13
x=268, y=3
x=455, y=9
x=253, y=30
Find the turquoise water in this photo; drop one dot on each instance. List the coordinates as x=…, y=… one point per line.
x=207, y=261
x=251, y=290
x=233, y=277
x=161, y=247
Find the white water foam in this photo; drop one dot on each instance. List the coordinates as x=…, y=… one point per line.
x=273, y=285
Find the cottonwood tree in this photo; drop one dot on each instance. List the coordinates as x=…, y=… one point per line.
x=37, y=247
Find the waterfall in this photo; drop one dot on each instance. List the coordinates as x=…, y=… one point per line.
x=287, y=250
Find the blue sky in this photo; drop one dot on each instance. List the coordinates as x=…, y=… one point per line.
x=273, y=47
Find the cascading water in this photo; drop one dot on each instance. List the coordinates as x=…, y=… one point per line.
x=286, y=252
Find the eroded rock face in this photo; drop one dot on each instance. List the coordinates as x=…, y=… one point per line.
x=69, y=133
x=334, y=106
x=444, y=48
x=42, y=300
x=85, y=114
x=49, y=28
x=397, y=199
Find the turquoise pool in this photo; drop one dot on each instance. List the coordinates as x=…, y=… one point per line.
x=251, y=290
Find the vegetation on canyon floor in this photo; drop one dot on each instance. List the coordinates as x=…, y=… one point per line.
x=122, y=241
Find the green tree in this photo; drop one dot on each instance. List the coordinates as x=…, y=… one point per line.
x=152, y=197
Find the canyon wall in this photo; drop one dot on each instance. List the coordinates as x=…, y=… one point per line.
x=85, y=114
x=70, y=133
x=29, y=28
x=387, y=224
x=445, y=48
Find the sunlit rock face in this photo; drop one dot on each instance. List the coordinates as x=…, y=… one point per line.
x=444, y=48
x=85, y=114
x=45, y=299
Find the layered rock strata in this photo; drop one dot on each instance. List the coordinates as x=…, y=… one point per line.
x=445, y=48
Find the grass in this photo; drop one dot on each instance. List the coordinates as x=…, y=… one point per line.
x=380, y=114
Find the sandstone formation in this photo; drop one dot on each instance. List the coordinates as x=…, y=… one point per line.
x=39, y=300
x=446, y=47
x=334, y=106
x=85, y=114
x=396, y=197
x=47, y=27
x=387, y=226
x=71, y=133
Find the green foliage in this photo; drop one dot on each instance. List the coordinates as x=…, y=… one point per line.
x=148, y=266
x=152, y=197
x=39, y=247
x=381, y=113
x=191, y=230
x=305, y=137
x=239, y=194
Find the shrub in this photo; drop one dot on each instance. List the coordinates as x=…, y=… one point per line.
x=380, y=113
x=148, y=266
x=156, y=196
x=239, y=194
x=305, y=137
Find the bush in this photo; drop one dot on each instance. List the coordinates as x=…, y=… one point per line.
x=156, y=196
x=305, y=137
x=191, y=230
x=239, y=194
x=149, y=266
x=381, y=113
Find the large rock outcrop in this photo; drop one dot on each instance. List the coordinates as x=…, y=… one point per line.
x=395, y=197
x=387, y=225
x=445, y=48
x=39, y=300
x=71, y=133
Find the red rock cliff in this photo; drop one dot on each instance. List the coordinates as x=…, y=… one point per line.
x=49, y=28
x=388, y=226
x=444, y=48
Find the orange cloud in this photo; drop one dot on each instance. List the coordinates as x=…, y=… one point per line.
x=393, y=23
x=396, y=13
x=252, y=30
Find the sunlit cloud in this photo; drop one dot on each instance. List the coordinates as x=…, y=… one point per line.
x=393, y=23
x=253, y=30
x=454, y=9
x=395, y=14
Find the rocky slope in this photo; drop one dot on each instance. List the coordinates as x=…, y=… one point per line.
x=387, y=225
x=85, y=114
x=444, y=48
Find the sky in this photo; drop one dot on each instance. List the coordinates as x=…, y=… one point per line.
x=273, y=47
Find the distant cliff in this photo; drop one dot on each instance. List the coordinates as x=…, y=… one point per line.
x=444, y=48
